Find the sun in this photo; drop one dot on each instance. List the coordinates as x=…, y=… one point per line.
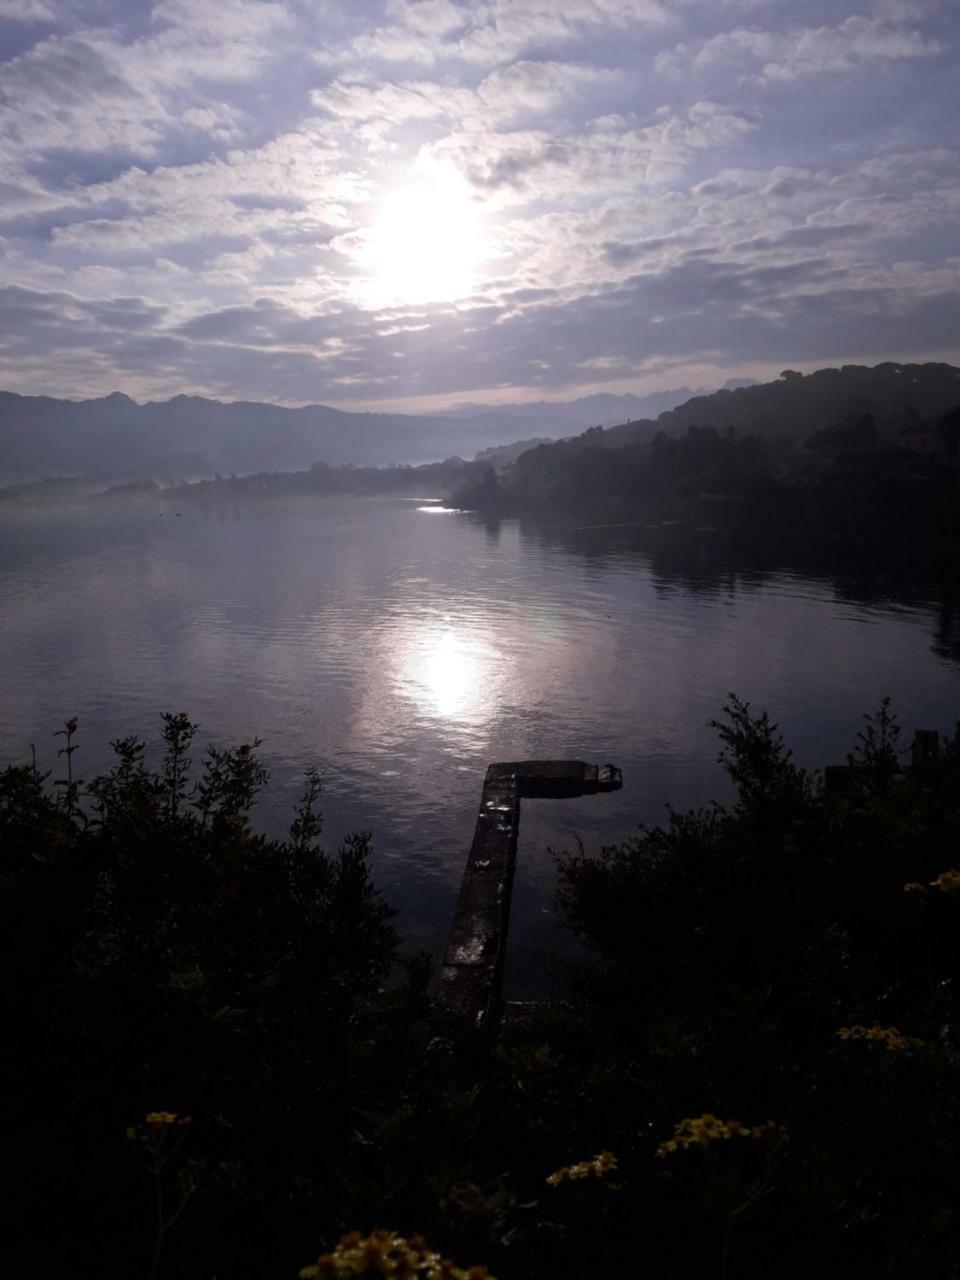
x=427, y=242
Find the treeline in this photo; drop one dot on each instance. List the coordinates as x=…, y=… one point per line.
x=216, y=1058
x=432, y=479
x=429, y=479
x=845, y=485
x=794, y=404
x=819, y=456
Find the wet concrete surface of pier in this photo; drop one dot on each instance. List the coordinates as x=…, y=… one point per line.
x=468, y=999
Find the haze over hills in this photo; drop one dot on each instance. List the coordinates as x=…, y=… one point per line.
x=837, y=460
x=897, y=397
x=601, y=409
x=194, y=436
x=796, y=405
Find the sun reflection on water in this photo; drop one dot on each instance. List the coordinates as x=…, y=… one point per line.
x=450, y=669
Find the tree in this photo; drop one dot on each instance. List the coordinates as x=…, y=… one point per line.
x=948, y=429
x=159, y=954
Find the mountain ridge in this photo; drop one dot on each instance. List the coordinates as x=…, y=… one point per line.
x=184, y=436
x=190, y=435
x=796, y=404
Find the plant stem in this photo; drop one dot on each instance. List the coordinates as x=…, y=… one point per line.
x=158, y=1244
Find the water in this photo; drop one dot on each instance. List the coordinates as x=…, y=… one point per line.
x=403, y=649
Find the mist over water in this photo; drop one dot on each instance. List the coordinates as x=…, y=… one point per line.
x=402, y=650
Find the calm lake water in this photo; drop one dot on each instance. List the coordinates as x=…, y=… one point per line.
x=403, y=649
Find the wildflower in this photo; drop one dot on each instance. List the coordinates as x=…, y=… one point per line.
x=885, y=1037
x=699, y=1131
x=191, y=978
x=384, y=1253
x=595, y=1168
x=160, y=1120
x=914, y=886
x=947, y=881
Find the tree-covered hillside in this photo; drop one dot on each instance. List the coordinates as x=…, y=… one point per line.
x=796, y=404
x=834, y=459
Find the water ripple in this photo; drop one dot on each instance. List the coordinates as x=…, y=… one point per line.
x=402, y=650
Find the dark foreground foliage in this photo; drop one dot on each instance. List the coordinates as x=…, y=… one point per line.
x=756, y=1075
x=793, y=957
x=161, y=955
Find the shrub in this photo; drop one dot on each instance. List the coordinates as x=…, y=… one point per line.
x=160, y=953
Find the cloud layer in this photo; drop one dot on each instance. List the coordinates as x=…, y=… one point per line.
x=196, y=195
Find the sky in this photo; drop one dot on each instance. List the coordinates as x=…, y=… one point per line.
x=411, y=204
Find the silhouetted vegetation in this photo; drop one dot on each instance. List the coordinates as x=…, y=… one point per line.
x=844, y=488
x=431, y=479
x=209, y=1073
x=795, y=404
x=790, y=957
x=161, y=958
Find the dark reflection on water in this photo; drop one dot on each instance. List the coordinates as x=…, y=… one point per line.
x=403, y=650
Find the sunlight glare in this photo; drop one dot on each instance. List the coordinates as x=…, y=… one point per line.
x=449, y=672
x=427, y=242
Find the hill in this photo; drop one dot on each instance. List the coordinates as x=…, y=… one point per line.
x=897, y=396
x=796, y=404
x=553, y=417
x=119, y=439
x=841, y=457
x=192, y=436
x=189, y=436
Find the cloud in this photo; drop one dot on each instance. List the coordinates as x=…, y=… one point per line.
x=95, y=90
x=293, y=183
x=189, y=191
x=768, y=56
x=522, y=88
x=26, y=11
x=807, y=237
x=495, y=32
x=614, y=154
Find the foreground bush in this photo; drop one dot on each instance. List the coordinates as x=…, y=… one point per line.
x=756, y=1073
x=793, y=956
x=158, y=953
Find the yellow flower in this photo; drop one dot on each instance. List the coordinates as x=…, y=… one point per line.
x=884, y=1037
x=161, y=1119
x=595, y=1168
x=701, y=1130
x=384, y=1253
x=913, y=886
x=947, y=881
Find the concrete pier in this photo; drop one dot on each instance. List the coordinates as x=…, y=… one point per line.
x=468, y=998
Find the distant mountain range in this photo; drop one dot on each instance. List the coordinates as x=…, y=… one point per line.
x=191, y=436
x=600, y=410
